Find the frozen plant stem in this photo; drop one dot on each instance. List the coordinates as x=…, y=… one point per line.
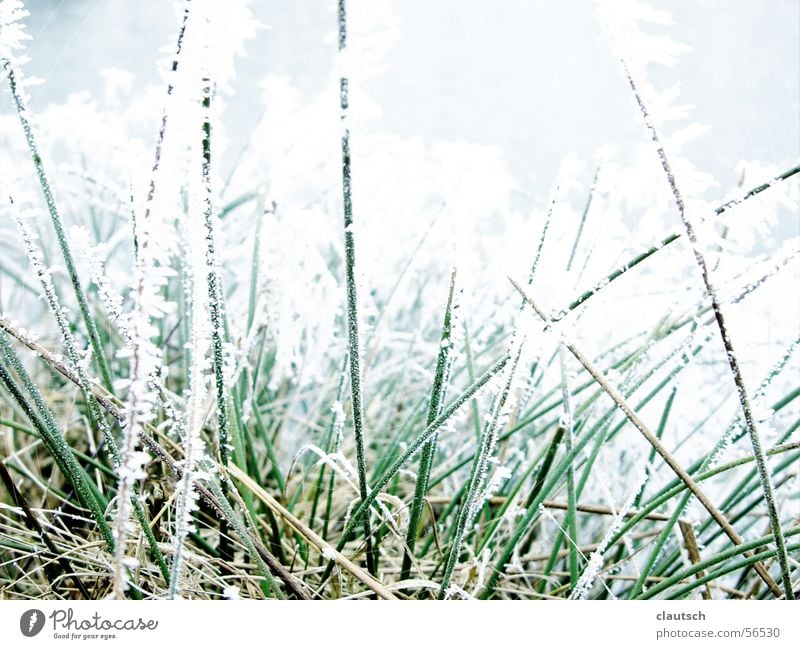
x=545, y=228
x=332, y=444
x=142, y=394
x=569, y=436
x=130, y=468
x=151, y=190
x=215, y=297
x=582, y=223
x=352, y=295
x=741, y=389
x=192, y=442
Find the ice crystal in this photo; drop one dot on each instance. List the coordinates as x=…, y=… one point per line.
x=12, y=31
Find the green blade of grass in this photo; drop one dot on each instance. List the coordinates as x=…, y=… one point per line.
x=354, y=345
x=438, y=395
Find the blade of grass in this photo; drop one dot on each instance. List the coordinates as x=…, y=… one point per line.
x=569, y=434
x=690, y=541
x=438, y=395
x=354, y=348
x=332, y=441
x=582, y=223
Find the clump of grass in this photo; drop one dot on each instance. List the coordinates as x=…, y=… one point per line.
x=180, y=418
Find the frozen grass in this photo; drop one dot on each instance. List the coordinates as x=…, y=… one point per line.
x=498, y=450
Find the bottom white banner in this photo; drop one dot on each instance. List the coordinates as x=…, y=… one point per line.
x=767, y=625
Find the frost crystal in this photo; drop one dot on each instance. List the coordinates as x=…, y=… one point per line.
x=12, y=31
x=231, y=592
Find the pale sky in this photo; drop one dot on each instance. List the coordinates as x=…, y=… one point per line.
x=533, y=78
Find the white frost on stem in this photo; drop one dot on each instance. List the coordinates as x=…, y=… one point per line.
x=592, y=570
x=213, y=40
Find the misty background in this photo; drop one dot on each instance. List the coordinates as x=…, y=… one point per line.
x=535, y=79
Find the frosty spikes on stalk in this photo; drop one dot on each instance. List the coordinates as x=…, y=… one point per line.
x=150, y=276
x=203, y=293
x=354, y=344
x=155, y=239
x=12, y=32
x=592, y=570
x=112, y=300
